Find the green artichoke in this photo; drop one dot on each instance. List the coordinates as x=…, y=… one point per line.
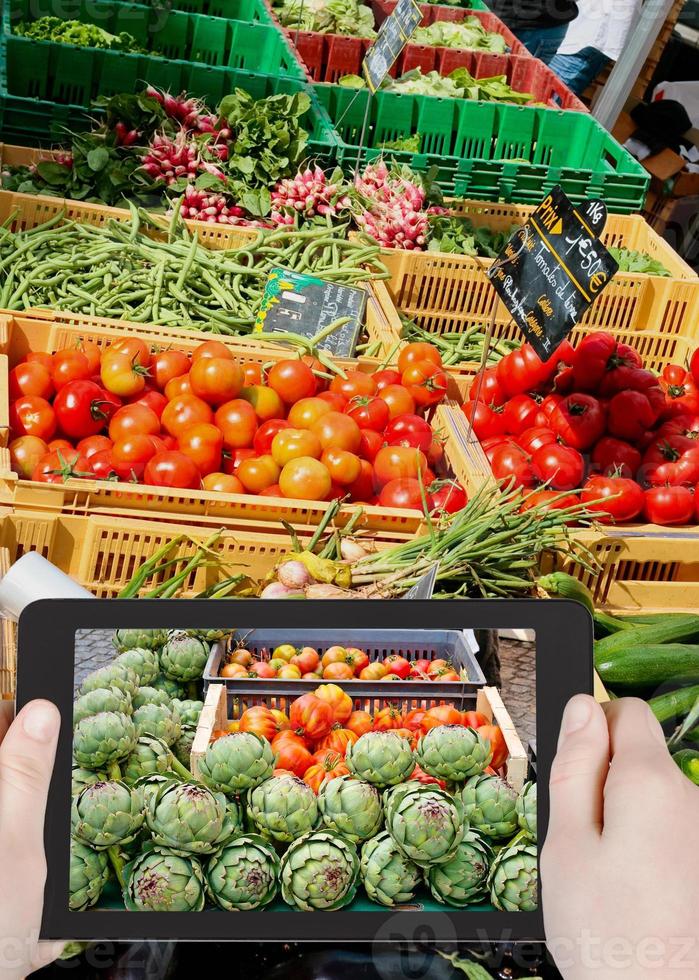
x=282, y=808
x=381, y=758
x=150, y=695
x=237, y=762
x=389, y=877
x=160, y=881
x=188, y=711
x=106, y=814
x=84, y=777
x=463, y=879
x=183, y=657
x=453, y=753
x=99, y=740
x=490, y=806
x=99, y=700
x=210, y=635
x=425, y=822
x=133, y=639
x=151, y=757
x=144, y=662
x=113, y=675
x=89, y=871
x=159, y=721
x=351, y=807
x=513, y=879
x=244, y=874
x=169, y=687
x=319, y=871
x=183, y=746
x=526, y=810
x=187, y=818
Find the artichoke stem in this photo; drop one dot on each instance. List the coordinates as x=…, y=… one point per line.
x=113, y=771
x=180, y=770
x=117, y=863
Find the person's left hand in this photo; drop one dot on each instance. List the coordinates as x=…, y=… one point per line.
x=27, y=751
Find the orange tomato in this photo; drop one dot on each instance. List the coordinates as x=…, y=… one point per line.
x=238, y=423
x=353, y=385
x=233, y=670
x=327, y=766
x=288, y=735
x=183, y=411
x=357, y=659
x=305, y=412
x=178, y=386
x=494, y=735
x=388, y=718
x=210, y=348
x=338, y=672
x=339, y=700
x=443, y=714
x=203, y=444
x=474, y=719
x=398, y=399
x=223, y=483
x=407, y=734
x=413, y=719
x=293, y=756
x=265, y=401
x=311, y=717
x=260, y=721
x=396, y=462
x=168, y=364
x=334, y=655
x=359, y=722
x=305, y=478
x=290, y=444
x=258, y=473
x=282, y=720
x=131, y=420
x=374, y=672
x=122, y=374
x=216, y=379
x=418, y=351
x=338, y=431
x=344, y=468
x=337, y=740
x=292, y=380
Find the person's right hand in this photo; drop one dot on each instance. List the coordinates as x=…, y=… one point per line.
x=27, y=750
x=620, y=866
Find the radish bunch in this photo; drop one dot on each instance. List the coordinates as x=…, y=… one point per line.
x=311, y=192
x=392, y=208
x=190, y=113
x=170, y=159
x=199, y=205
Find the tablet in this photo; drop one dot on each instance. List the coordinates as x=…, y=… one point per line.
x=396, y=795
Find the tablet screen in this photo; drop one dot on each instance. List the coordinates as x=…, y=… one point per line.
x=303, y=769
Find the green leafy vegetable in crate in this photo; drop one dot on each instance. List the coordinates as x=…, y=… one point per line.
x=631, y=260
x=327, y=17
x=407, y=144
x=468, y=34
x=82, y=35
x=460, y=236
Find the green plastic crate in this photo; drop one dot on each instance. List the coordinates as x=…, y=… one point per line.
x=252, y=11
x=489, y=151
x=49, y=69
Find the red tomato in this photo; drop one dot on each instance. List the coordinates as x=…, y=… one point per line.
x=337, y=431
x=101, y=465
x=674, y=374
x=222, y=483
x=344, y=468
x=561, y=467
x=292, y=380
x=61, y=465
x=262, y=442
x=178, y=386
x=168, y=364
x=547, y=407
x=184, y=411
x=613, y=498
x=519, y=413
x=238, y=423
x=426, y=382
x=252, y=374
x=578, y=420
x=305, y=478
x=680, y=469
x=93, y=444
x=92, y=352
x=337, y=402
x=130, y=455
x=403, y=493
x=362, y=490
x=549, y=500
x=522, y=370
x=489, y=390
x=132, y=419
x=535, y=437
x=134, y=348
x=486, y=421
x=318, y=368
x=210, y=348
x=418, y=351
x=265, y=401
x=41, y=357
x=669, y=505
x=122, y=374
x=216, y=379
x=510, y=464
x=232, y=460
x=681, y=398
x=435, y=451
x=30, y=378
x=258, y=473
x=203, y=444
x=629, y=414
x=69, y=365
x=154, y=400
x=274, y=491
x=611, y=456
x=355, y=383
x=389, y=376
x=694, y=365
x=172, y=469
x=32, y=416
x=592, y=358
x=62, y=444
x=25, y=453
x=398, y=399
x=369, y=412
x=395, y=462
x=447, y=495
x=409, y=430
x=83, y=408
x=369, y=444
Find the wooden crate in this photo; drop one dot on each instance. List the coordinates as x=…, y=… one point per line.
x=215, y=716
x=643, y=567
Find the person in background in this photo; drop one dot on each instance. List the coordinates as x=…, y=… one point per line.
x=594, y=39
x=540, y=25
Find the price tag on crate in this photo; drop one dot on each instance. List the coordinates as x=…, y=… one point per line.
x=296, y=303
x=553, y=268
x=394, y=34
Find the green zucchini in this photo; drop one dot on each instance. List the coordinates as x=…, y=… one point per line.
x=674, y=705
x=665, y=631
x=648, y=666
x=609, y=624
x=565, y=586
x=650, y=619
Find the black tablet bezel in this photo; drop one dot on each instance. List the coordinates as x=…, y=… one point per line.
x=46, y=669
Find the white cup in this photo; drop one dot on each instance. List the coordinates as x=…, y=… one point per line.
x=32, y=577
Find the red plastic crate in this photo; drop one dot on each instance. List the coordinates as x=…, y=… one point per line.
x=327, y=57
x=431, y=13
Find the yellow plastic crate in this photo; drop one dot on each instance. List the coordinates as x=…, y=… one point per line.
x=54, y=331
x=656, y=315
x=643, y=567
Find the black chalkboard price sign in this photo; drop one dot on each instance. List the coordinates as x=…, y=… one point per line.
x=553, y=268
x=394, y=34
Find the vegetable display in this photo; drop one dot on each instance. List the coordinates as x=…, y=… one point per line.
x=468, y=34
x=301, y=809
x=79, y=34
x=459, y=84
x=592, y=421
x=348, y=17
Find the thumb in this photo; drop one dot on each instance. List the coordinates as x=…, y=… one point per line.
x=579, y=771
x=26, y=763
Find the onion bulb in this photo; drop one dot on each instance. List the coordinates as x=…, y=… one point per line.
x=294, y=575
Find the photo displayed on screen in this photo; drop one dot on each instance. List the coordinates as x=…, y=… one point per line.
x=312, y=770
